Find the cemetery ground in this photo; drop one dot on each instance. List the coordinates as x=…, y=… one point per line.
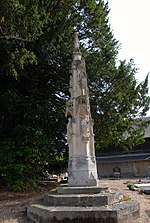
x=13, y=204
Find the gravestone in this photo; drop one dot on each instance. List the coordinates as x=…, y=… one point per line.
x=83, y=200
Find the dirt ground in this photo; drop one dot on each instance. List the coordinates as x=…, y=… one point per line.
x=143, y=199
x=13, y=205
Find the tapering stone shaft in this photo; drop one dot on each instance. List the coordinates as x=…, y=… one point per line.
x=82, y=164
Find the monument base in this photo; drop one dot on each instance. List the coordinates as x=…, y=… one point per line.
x=106, y=206
x=81, y=190
x=82, y=171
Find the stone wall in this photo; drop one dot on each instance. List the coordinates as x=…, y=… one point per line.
x=128, y=169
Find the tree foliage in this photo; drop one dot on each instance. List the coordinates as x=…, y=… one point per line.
x=35, y=54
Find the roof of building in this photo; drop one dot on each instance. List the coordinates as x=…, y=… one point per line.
x=123, y=158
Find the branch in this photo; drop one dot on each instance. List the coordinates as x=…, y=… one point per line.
x=6, y=36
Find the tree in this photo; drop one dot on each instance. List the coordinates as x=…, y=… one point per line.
x=36, y=52
x=118, y=101
x=31, y=130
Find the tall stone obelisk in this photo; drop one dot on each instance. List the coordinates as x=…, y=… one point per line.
x=82, y=163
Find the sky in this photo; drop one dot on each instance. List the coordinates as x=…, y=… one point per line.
x=129, y=21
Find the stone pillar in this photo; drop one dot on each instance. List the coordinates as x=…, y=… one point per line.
x=82, y=163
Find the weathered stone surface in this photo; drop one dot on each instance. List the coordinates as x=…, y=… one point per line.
x=82, y=199
x=81, y=190
x=82, y=163
x=123, y=212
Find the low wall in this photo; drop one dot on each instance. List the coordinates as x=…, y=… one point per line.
x=128, y=169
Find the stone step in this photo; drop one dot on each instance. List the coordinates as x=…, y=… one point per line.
x=82, y=190
x=122, y=212
x=100, y=199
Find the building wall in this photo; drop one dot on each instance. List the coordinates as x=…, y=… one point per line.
x=128, y=169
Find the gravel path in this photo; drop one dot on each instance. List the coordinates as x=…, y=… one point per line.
x=143, y=199
x=13, y=205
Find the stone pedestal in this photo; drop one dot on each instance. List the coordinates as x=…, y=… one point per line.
x=82, y=190
x=83, y=205
x=82, y=171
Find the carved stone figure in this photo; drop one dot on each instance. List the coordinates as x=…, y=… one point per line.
x=85, y=127
x=69, y=131
x=69, y=108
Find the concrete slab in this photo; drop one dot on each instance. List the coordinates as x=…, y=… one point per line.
x=147, y=190
x=145, y=185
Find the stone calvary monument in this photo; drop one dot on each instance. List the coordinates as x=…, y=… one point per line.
x=83, y=200
x=82, y=163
